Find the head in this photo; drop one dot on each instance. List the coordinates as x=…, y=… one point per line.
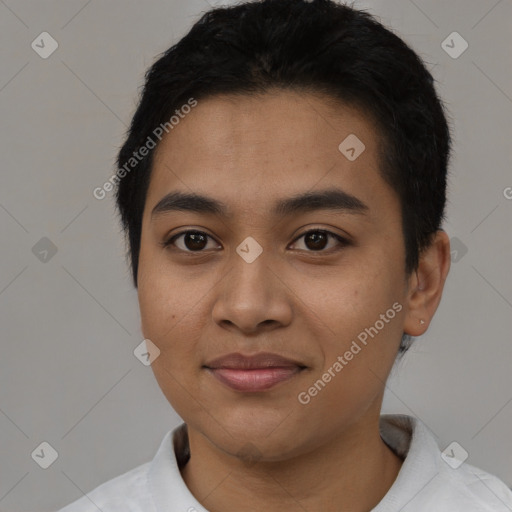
x=286, y=117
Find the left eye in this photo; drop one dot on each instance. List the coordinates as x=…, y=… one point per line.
x=316, y=239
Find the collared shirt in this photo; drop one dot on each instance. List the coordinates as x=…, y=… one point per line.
x=428, y=481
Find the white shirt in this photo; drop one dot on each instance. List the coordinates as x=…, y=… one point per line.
x=425, y=483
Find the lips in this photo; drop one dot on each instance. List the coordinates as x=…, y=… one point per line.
x=254, y=373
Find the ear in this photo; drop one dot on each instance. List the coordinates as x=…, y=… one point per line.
x=425, y=285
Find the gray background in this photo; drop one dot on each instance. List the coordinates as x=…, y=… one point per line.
x=70, y=324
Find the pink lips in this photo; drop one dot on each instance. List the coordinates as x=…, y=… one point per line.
x=253, y=373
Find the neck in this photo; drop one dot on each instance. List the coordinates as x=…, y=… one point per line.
x=351, y=472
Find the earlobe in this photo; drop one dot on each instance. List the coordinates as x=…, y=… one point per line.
x=426, y=284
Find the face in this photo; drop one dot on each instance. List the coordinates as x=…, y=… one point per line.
x=310, y=281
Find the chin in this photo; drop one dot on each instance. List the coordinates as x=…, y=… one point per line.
x=252, y=435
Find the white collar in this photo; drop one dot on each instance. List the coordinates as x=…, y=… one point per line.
x=405, y=435
x=411, y=440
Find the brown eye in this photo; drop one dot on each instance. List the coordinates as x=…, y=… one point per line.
x=192, y=241
x=316, y=240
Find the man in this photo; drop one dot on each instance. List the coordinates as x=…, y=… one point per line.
x=282, y=187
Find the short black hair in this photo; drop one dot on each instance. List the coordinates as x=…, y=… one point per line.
x=316, y=46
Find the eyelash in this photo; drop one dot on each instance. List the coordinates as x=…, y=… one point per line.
x=342, y=241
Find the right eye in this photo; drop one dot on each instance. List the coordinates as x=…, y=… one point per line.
x=193, y=241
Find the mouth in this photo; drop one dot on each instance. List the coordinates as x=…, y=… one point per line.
x=259, y=372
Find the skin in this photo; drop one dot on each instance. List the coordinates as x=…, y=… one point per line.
x=267, y=451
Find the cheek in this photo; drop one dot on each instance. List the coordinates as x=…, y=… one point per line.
x=171, y=312
x=169, y=320
x=359, y=357
x=161, y=305
x=160, y=293
x=357, y=295
x=168, y=313
x=364, y=310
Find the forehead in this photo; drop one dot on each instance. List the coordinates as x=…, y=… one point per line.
x=249, y=151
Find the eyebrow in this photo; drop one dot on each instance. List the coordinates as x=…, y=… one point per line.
x=328, y=199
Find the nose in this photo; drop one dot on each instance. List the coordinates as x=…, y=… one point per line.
x=252, y=297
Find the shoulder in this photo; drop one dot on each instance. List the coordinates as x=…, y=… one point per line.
x=432, y=480
x=127, y=493
x=467, y=489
